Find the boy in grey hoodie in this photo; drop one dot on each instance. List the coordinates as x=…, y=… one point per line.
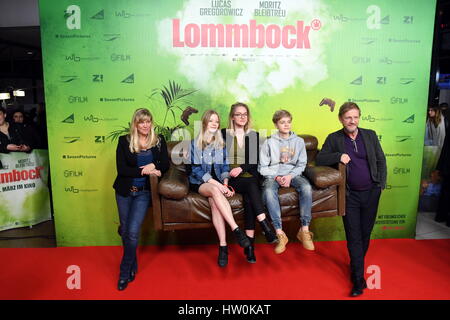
x=282, y=162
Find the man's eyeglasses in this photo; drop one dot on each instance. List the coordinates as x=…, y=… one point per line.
x=241, y=115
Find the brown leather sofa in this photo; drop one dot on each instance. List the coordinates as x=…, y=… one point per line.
x=175, y=207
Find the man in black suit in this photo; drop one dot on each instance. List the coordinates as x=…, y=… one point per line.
x=360, y=150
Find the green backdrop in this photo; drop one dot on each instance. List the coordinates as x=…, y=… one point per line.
x=103, y=59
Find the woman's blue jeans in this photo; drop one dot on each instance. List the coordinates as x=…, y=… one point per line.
x=132, y=211
x=270, y=196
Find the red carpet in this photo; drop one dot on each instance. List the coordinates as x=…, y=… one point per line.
x=410, y=269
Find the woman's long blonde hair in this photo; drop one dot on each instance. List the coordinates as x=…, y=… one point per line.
x=141, y=115
x=436, y=120
x=202, y=138
x=247, y=126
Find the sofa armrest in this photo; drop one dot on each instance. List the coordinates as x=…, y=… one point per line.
x=174, y=184
x=322, y=176
x=156, y=203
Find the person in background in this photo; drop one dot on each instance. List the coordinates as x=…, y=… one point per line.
x=282, y=163
x=209, y=176
x=445, y=113
x=243, y=152
x=360, y=150
x=139, y=154
x=430, y=190
x=435, y=128
x=12, y=137
x=28, y=128
x=443, y=166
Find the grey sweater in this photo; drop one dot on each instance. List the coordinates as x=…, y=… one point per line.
x=280, y=157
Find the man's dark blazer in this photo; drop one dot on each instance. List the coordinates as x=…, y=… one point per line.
x=333, y=148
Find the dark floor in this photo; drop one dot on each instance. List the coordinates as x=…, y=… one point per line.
x=41, y=235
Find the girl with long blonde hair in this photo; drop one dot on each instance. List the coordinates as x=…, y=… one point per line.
x=243, y=153
x=209, y=177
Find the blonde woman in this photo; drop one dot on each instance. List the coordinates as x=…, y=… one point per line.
x=243, y=154
x=435, y=129
x=209, y=177
x=139, y=154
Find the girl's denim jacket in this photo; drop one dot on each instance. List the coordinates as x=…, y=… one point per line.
x=203, y=160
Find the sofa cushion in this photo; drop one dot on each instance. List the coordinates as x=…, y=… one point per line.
x=174, y=184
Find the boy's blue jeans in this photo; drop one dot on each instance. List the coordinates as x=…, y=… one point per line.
x=270, y=196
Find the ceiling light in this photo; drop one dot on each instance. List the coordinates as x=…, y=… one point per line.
x=19, y=93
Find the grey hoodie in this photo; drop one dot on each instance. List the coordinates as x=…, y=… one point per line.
x=280, y=157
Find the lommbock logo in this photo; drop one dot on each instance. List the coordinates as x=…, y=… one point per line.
x=251, y=35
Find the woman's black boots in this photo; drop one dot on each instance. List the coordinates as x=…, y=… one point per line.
x=250, y=251
x=241, y=238
x=223, y=256
x=267, y=231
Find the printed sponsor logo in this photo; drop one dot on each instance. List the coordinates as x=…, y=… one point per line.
x=365, y=100
x=127, y=15
x=381, y=80
x=99, y=139
x=72, y=36
x=368, y=40
x=97, y=78
x=391, y=186
x=71, y=139
x=358, y=81
x=398, y=154
x=73, y=173
x=402, y=138
x=341, y=18
x=387, y=60
x=370, y=118
x=385, y=20
x=360, y=60
x=406, y=81
x=73, y=17
x=99, y=15
x=78, y=156
x=68, y=79
x=77, y=99
x=410, y=119
x=95, y=119
x=111, y=36
x=129, y=79
x=120, y=57
x=408, y=19
x=398, y=170
x=73, y=57
x=394, y=40
x=398, y=100
x=116, y=99
x=73, y=189
x=374, y=20
x=69, y=119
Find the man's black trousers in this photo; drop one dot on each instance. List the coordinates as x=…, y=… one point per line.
x=360, y=214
